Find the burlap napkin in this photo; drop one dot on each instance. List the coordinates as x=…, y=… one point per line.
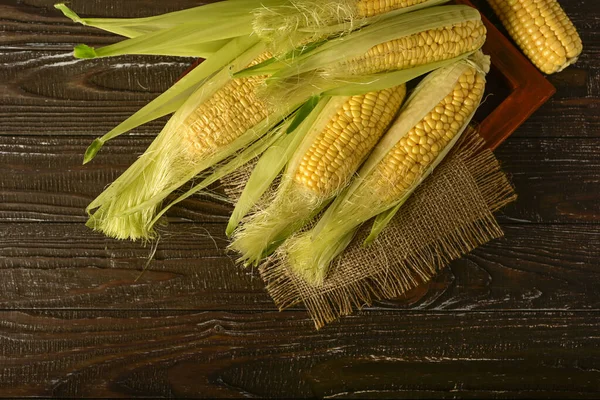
x=447, y=217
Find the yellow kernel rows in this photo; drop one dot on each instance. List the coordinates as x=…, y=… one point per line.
x=370, y=8
x=226, y=115
x=542, y=30
x=347, y=139
x=418, y=49
x=418, y=149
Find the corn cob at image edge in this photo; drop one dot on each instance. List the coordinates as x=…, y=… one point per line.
x=329, y=155
x=542, y=30
x=428, y=126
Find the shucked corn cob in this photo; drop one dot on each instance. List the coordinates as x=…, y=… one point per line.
x=542, y=30
x=335, y=146
x=429, y=124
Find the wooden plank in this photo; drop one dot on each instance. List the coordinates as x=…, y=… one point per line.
x=43, y=179
x=50, y=93
x=67, y=266
x=31, y=23
x=556, y=180
x=374, y=354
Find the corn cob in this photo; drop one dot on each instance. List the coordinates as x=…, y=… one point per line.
x=542, y=30
x=226, y=115
x=428, y=126
x=340, y=148
x=204, y=131
x=418, y=49
x=325, y=163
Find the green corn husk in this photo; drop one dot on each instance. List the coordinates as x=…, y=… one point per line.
x=310, y=254
x=195, y=32
x=298, y=21
x=268, y=142
x=189, y=40
x=127, y=208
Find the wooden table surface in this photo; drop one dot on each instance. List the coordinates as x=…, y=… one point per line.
x=519, y=317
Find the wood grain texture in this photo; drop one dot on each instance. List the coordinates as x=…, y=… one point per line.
x=64, y=266
x=518, y=318
x=217, y=354
x=43, y=179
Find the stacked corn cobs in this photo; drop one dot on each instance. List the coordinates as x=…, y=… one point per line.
x=313, y=94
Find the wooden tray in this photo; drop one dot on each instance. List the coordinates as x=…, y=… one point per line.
x=515, y=87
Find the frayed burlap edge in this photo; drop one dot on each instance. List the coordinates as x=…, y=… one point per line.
x=419, y=266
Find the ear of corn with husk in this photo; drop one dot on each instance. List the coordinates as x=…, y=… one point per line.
x=403, y=43
x=428, y=126
x=220, y=118
x=542, y=30
x=332, y=150
x=297, y=22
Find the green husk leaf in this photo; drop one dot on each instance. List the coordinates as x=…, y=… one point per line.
x=303, y=112
x=213, y=13
x=318, y=19
x=176, y=96
x=275, y=63
x=381, y=222
x=167, y=41
x=269, y=166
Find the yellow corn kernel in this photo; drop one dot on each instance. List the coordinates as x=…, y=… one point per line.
x=418, y=149
x=226, y=115
x=419, y=49
x=347, y=139
x=370, y=8
x=542, y=30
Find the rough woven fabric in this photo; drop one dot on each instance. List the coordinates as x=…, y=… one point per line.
x=447, y=217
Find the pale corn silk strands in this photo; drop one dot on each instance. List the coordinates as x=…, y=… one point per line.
x=448, y=216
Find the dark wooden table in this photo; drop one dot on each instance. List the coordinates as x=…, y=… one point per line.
x=517, y=318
